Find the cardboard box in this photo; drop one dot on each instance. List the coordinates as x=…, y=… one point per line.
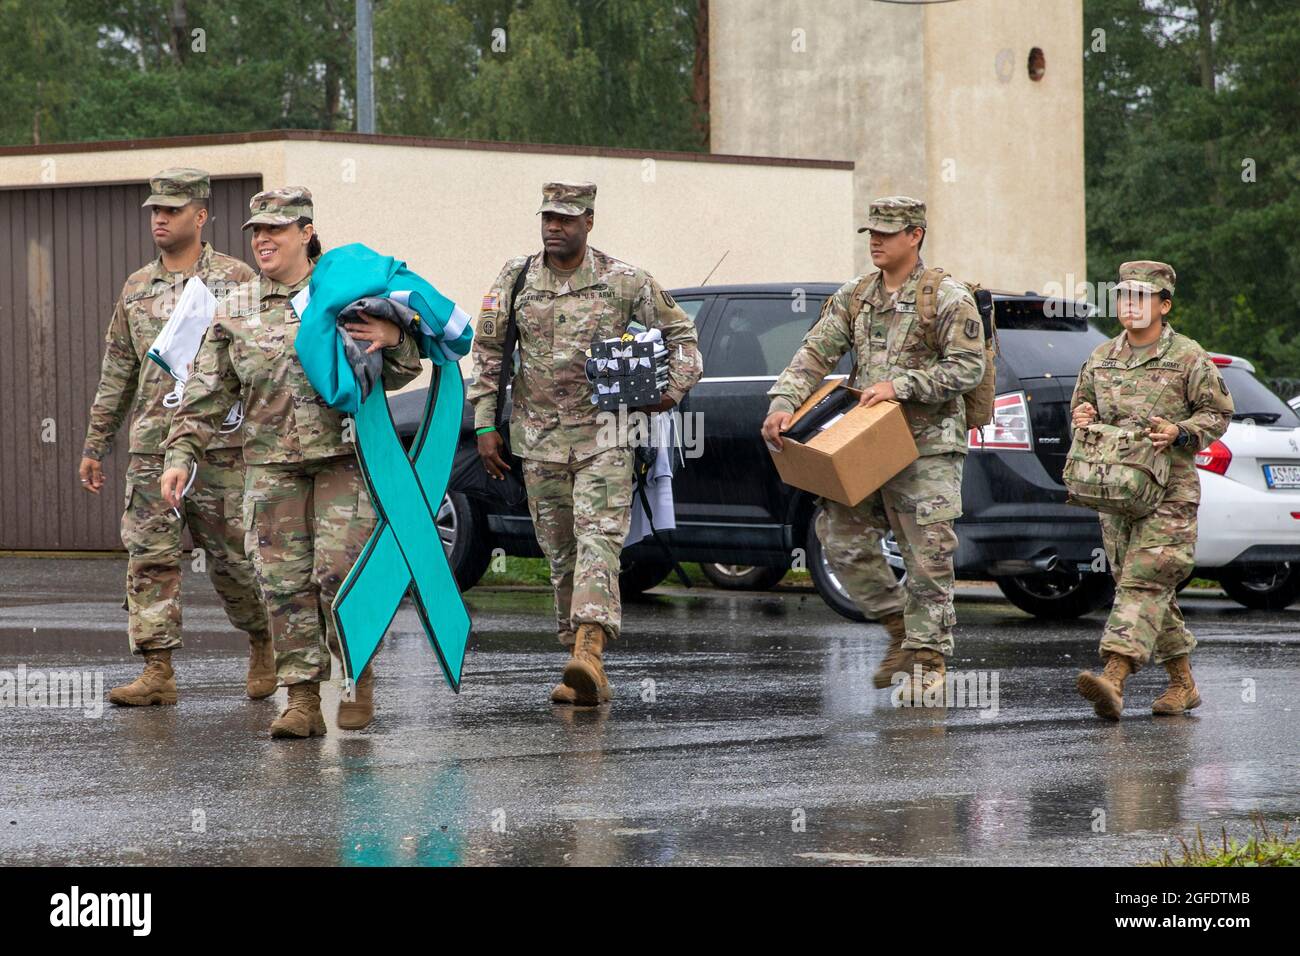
x=852, y=457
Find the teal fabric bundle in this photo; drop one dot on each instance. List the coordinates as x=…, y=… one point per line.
x=355, y=271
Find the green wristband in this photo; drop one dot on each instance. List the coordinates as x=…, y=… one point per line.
x=484, y=431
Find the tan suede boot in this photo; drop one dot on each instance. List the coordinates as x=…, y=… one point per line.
x=562, y=693
x=156, y=685
x=261, y=667
x=302, y=718
x=933, y=671
x=585, y=672
x=355, y=714
x=1181, y=695
x=892, y=662
x=1106, y=692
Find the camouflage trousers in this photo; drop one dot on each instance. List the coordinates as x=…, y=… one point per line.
x=308, y=522
x=919, y=505
x=151, y=533
x=1149, y=557
x=581, y=513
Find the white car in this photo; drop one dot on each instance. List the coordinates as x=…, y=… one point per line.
x=1249, y=521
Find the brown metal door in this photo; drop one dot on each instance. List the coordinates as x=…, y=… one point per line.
x=64, y=253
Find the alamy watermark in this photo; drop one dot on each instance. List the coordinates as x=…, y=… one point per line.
x=636, y=429
x=973, y=689
x=69, y=690
x=1077, y=298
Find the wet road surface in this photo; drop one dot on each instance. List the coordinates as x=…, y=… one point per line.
x=744, y=729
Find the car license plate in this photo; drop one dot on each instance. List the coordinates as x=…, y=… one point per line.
x=1282, y=476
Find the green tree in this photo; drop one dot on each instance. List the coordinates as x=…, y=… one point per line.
x=42, y=58
x=592, y=72
x=1192, y=126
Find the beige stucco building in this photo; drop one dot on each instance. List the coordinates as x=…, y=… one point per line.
x=930, y=100
x=456, y=211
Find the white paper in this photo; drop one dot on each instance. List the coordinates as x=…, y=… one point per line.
x=181, y=336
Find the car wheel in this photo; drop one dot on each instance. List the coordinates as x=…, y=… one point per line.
x=1059, y=595
x=637, y=577
x=824, y=578
x=1269, y=587
x=742, y=577
x=464, y=537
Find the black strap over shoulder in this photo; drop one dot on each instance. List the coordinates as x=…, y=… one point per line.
x=512, y=340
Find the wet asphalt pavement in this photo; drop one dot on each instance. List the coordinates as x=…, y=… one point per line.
x=744, y=729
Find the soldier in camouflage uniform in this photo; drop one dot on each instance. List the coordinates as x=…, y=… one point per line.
x=306, y=506
x=875, y=316
x=1153, y=378
x=579, y=484
x=151, y=530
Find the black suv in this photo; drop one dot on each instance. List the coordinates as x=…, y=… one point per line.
x=732, y=509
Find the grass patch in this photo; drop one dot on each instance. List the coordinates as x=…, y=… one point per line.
x=1263, y=848
x=519, y=571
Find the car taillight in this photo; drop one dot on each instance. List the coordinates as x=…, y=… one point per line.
x=1216, y=458
x=1010, y=428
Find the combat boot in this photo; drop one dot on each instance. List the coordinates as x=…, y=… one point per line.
x=157, y=685
x=355, y=714
x=1106, y=692
x=562, y=693
x=302, y=718
x=933, y=670
x=585, y=672
x=1181, y=694
x=261, y=667
x=894, y=655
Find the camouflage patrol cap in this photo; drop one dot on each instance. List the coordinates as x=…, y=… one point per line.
x=1147, y=276
x=174, y=188
x=280, y=207
x=894, y=214
x=568, y=199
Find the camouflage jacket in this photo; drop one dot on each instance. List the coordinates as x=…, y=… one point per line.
x=249, y=354
x=128, y=381
x=553, y=418
x=885, y=334
x=1176, y=381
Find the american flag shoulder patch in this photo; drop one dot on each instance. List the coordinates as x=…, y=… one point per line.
x=491, y=302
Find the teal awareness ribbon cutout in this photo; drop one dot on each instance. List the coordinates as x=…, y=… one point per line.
x=405, y=553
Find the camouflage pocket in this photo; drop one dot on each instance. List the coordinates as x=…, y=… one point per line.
x=1172, y=523
x=616, y=478
x=270, y=337
x=935, y=488
x=945, y=507
x=366, y=507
